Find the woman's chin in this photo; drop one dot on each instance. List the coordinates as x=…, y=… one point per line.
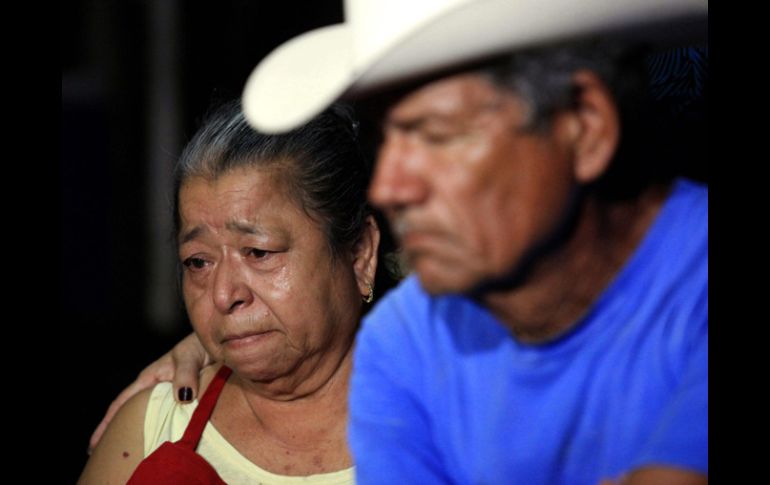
x=257, y=369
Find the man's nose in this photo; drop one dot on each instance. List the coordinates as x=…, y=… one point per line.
x=231, y=289
x=398, y=175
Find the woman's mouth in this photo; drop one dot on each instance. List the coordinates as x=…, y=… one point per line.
x=245, y=339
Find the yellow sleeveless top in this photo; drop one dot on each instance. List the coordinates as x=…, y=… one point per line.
x=166, y=420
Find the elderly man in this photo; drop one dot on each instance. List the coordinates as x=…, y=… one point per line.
x=555, y=329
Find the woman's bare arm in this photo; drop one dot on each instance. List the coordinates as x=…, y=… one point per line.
x=122, y=447
x=182, y=365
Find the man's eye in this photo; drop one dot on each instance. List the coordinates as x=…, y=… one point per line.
x=439, y=136
x=194, y=263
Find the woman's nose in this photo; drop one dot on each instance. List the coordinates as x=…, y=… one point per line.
x=231, y=289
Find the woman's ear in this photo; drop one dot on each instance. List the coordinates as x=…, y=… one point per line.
x=365, y=256
x=595, y=126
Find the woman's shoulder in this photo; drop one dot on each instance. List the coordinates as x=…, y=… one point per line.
x=121, y=447
x=130, y=416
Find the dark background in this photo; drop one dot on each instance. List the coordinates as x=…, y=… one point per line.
x=137, y=76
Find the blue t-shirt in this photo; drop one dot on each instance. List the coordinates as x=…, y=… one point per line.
x=443, y=393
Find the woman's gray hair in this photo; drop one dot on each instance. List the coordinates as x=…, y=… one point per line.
x=320, y=163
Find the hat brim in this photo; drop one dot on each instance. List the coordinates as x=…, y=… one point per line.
x=305, y=75
x=299, y=79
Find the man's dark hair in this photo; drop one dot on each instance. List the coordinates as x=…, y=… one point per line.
x=652, y=147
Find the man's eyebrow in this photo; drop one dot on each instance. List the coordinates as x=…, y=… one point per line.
x=410, y=124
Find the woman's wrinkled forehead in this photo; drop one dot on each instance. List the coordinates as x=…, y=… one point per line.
x=245, y=189
x=251, y=179
x=236, y=198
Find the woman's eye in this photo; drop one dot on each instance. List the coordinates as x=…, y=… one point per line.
x=258, y=253
x=194, y=263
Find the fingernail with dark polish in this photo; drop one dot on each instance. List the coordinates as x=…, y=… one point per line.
x=185, y=394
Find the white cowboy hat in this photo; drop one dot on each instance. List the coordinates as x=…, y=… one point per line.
x=385, y=41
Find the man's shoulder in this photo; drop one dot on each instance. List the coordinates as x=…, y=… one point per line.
x=680, y=231
x=428, y=324
x=408, y=288
x=689, y=199
x=409, y=301
x=686, y=217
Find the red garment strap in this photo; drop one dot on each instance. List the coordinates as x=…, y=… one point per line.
x=202, y=413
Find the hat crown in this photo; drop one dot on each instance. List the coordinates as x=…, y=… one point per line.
x=384, y=42
x=441, y=32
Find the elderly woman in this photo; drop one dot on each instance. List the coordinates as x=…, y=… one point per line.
x=279, y=253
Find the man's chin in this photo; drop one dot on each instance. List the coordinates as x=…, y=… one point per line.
x=442, y=284
x=439, y=279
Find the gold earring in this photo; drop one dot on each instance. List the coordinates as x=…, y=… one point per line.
x=368, y=298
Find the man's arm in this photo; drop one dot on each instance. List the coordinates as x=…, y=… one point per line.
x=122, y=447
x=664, y=476
x=182, y=365
x=660, y=476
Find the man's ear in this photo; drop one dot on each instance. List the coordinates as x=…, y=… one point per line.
x=365, y=255
x=594, y=125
